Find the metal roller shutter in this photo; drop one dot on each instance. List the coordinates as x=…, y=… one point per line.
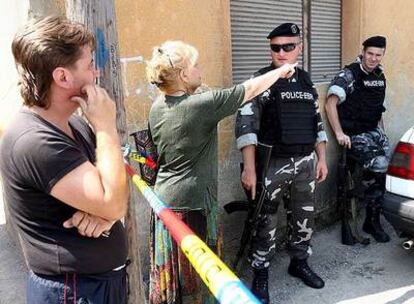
x=251, y=21
x=325, y=39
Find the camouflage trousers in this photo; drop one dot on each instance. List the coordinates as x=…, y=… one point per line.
x=371, y=150
x=294, y=177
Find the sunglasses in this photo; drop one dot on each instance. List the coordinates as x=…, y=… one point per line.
x=288, y=47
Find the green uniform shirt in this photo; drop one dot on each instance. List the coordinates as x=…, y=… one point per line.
x=184, y=130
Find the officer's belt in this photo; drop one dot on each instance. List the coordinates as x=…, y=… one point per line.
x=280, y=150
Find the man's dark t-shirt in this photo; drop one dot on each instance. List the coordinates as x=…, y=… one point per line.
x=35, y=155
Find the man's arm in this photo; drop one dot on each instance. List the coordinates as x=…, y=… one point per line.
x=321, y=167
x=247, y=127
x=248, y=121
x=259, y=84
x=332, y=113
x=321, y=140
x=99, y=189
x=89, y=225
x=249, y=176
x=340, y=87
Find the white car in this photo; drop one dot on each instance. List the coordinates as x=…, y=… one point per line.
x=399, y=198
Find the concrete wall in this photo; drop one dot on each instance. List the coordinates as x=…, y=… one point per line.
x=362, y=19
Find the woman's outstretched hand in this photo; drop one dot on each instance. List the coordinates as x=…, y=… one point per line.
x=287, y=70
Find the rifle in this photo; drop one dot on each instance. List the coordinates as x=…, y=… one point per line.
x=254, y=208
x=348, y=204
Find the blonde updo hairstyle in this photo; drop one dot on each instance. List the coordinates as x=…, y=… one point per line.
x=167, y=61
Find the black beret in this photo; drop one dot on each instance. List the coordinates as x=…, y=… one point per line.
x=285, y=29
x=375, y=41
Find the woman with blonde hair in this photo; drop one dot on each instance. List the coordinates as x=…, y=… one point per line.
x=183, y=126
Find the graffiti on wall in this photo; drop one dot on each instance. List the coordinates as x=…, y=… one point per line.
x=140, y=87
x=130, y=89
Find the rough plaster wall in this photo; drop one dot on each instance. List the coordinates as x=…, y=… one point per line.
x=39, y=8
x=394, y=20
x=351, y=30
x=143, y=25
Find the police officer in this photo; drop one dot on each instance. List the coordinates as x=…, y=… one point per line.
x=354, y=107
x=287, y=117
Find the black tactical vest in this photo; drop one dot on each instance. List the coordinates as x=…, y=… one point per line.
x=288, y=118
x=363, y=108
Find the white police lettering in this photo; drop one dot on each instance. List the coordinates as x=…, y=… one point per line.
x=374, y=83
x=296, y=95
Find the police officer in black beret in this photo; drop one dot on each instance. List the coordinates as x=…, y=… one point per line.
x=354, y=107
x=287, y=117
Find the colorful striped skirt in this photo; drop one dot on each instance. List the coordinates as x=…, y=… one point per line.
x=172, y=278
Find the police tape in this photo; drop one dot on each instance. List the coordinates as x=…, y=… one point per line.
x=222, y=282
x=142, y=159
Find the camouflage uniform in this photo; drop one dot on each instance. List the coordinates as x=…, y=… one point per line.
x=370, y=148
x=361, y=96
x=294, y=175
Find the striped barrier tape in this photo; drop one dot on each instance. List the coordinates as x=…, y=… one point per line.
x=222, y=282
x=141, y=158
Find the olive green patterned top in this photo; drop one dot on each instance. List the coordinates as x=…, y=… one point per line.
x=184, y=129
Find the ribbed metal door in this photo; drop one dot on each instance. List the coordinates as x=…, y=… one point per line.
x=251, y=22
x=325, y=39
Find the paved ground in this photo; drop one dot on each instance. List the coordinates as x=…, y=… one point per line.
x=12, y=268
x=12, y=271
x=379, y=273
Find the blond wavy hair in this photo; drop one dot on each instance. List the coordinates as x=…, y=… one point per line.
x=167, y=61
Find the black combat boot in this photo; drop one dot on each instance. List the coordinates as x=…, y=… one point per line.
x=301, y=269
x=372, y=225
x=260, y=285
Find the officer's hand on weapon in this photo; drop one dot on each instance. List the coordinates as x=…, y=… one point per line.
x=343, y=140
x=249, y=179
x=287, y=70
x=321, y=171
